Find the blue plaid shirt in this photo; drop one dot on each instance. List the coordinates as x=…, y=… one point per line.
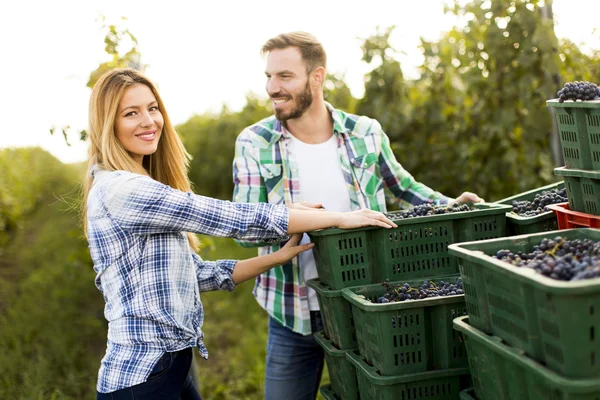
x=150, y=278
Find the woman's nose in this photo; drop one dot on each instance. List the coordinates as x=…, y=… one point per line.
x=147, y=119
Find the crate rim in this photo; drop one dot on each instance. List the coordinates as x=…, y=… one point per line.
x=509, y=200
x=366, y=305
x=485, y=208
x=519, y=220
x=573, y=104
x=526, y=274
x=327, y=345
x=577, y=173
x=323, y=289
x=518, y=355
x=359, y=362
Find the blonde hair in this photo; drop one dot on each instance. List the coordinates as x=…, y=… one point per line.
x=312, y=51
x=168, y=165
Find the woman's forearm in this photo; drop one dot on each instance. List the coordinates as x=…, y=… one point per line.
x=308, y=220
x=252, y=267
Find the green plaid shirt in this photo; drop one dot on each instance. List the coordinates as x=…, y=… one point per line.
x=265, y=171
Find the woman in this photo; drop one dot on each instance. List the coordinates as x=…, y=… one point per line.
x=140, y=222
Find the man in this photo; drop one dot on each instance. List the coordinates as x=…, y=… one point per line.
x=313, y=154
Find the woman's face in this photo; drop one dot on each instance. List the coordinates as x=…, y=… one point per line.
x=139, y=122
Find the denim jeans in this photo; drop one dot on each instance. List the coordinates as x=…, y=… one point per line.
x=294, y=362
x=169, y=380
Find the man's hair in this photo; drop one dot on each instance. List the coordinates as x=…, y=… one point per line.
x=312, y=51
x=169, y=163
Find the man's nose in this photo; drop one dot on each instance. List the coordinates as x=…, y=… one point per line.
x=272, y=87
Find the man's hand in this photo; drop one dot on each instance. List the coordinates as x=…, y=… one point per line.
x=468, y=197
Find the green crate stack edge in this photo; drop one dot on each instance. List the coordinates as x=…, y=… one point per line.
x=351, y=248
x=341, y=372
x=554, y=322
x=517, y=225
x=433, y=385
x=417, y=248
x=501, y=372
x=400, y=338
x=338, y=335
x=579, y=132
x=583, y=189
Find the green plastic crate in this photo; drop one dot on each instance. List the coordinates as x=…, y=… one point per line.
x=409, y=336
x=579, y=132
x=468, y=394
x=583, y=189
x=337, y=315
x=517, y=225
x=434, y=385
x=327, y=392
x=555, y=322
x=341, y=372
x=500, y=372
x=416, y=248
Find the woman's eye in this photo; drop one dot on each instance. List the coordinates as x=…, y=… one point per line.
x=130, y=114
x=154, y=108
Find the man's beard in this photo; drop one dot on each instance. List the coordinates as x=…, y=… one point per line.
x=303, y=101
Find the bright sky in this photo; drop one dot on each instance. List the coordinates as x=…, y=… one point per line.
x=201, y=54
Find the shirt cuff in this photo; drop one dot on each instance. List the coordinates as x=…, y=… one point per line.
x=274, y=218
x=223, y=274
x=444, y=200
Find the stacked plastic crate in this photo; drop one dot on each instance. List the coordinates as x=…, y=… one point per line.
x=529, y=336
x=579, y=131
x=398, y=350
x=544, y=221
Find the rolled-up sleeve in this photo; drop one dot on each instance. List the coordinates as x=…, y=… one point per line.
x=214, y=275
x=141, y=205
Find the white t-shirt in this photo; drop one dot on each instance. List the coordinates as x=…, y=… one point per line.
x=321, y=181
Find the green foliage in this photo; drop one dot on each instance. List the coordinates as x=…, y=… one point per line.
x=53, y=333
x=211, y=141
x=119, y=58
x=476, y=119
x=28, y=176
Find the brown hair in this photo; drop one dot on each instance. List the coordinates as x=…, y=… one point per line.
x=168, y=165
x=311, y=49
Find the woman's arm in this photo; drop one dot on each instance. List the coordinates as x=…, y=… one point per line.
x=252, y=267
x=141, y=205
x=226, y=274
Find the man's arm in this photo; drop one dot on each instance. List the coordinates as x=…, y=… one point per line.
x=401, y=183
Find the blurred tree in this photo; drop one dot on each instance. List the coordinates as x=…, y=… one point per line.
x=122, y=48
x=476, y=119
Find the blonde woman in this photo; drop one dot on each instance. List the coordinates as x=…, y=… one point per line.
x=140, y=221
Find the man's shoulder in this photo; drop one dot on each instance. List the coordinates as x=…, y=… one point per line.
x=358, y=126
x=262, y=133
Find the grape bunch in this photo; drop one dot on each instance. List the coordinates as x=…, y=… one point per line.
x=579, y=91
x=526, y=208
x=559, y=258
x=429, y=209
x=395, y=292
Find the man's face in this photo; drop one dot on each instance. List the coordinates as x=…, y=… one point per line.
x=288, y=84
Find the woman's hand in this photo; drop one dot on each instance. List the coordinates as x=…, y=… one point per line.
x=365, y=217
x=291, y=249
x=305, y=205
